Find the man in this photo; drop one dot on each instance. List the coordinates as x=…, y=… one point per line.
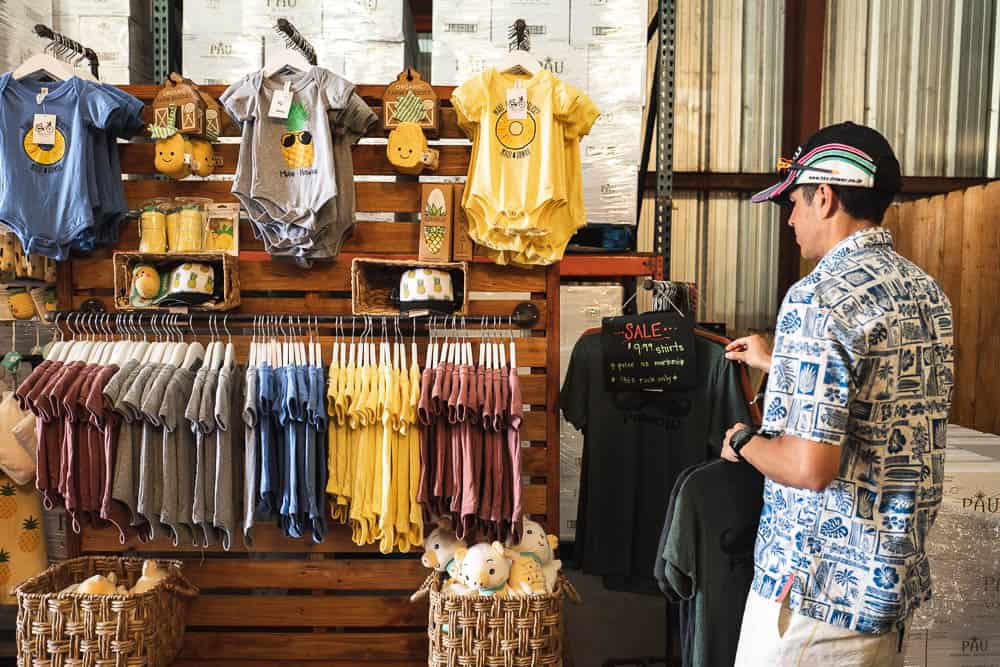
x=855, y=414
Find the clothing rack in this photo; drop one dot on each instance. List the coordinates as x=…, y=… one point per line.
x=519, y=36
x=524, y=316
x=295, y=40
x=63, y=45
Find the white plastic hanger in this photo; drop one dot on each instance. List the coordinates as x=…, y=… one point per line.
x=503, y=353
x=179, y=351
x=513, y=352
x=229, y=359
x=46, y=64
x=57, y=347
x=217, y=351
x=195, y=351
x=518, y=61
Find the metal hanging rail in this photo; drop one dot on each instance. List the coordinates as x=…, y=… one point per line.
x=525, y=315
x=64, y=44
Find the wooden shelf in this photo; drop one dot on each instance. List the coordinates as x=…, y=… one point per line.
x=611, y=266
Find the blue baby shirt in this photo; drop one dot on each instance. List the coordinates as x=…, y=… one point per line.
x=41, y=198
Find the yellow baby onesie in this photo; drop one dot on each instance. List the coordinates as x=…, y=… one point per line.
x=361, y=527
x=517, y=198
x=333, y=483
x=390, y=419
x=413, y=441
x=401, y=461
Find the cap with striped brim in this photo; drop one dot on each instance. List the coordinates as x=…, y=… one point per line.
x=846, y=155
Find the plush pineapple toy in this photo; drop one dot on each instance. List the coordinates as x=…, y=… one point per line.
x=408, y=151
x=297, y=141
x=178, y=156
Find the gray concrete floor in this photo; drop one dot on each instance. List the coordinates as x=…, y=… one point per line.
x=611, y=625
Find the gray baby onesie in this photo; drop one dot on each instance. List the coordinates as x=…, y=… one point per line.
x=251, y=460
x=143, y=464
x=203, y=506
x=192, y=413
x=224, y=517
x=113, y=392
x=126, y=479
x=178, y=457
x=151, y=449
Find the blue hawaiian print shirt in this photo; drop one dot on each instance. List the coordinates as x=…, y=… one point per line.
x=863, y=360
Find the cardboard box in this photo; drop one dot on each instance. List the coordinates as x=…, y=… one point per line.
x=461, y=19
x=600, y=21
x=367, y=20
x=140, y=11
x=123, y=76
x=220, y=57
x=208, y=16
x=548, y=21
x=262, y=15
x=119, y=41
x=366, y=62
x=436, y=217
x=462, y=247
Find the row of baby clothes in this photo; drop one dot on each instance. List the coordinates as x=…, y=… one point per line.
x=138, y=434
x=524, y=194
x=285, y=449
x=295, y=175
x=374, y=451
x=76, y=200
x=470, y=446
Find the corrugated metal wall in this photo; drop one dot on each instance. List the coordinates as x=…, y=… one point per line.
x=728, y=119
x=923, y=73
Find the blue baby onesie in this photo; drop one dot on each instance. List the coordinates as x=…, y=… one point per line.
x=41, y=198
x=270, y=467
x=316, y=431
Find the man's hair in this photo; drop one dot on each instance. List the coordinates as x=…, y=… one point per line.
x=861, y=203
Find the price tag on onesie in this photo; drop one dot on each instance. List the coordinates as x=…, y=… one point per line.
x=44, y=129
x=517, y=103
x=281, y=102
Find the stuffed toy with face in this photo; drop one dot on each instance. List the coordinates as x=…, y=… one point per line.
x=170, y=159
x=408, y=151
x=541, y=547
x=484, y=569
x=526, y=576
x=440, y=546
x=202, y=157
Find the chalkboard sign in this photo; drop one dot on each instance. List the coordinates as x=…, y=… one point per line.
x=649, y=351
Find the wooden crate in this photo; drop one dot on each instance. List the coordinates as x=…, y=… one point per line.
x=288, y=602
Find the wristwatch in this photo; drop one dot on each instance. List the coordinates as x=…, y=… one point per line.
x=740, y=439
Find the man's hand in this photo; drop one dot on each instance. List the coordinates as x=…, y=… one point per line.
x=727, y=450
x=752, y=351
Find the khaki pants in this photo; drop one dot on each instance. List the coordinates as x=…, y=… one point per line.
x=773, y=634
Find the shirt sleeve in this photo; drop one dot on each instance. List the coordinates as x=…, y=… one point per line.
x=468, y=101
x=811, y=382
x=336, y=89
x=680, y=553
x=97, y=105
x=240, y=101
x=729, y=404
x=573, y=395
x=574, y=110
x=354, y=120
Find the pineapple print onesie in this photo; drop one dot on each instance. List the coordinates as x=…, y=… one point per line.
x=288, y=176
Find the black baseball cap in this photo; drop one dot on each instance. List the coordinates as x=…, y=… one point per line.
x=845, y=154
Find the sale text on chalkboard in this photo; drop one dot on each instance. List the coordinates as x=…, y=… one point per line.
x=649, y=351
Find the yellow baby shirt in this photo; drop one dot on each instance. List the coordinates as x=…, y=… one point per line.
x=523, y=197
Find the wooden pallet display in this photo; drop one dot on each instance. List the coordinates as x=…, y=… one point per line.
x=287, y=602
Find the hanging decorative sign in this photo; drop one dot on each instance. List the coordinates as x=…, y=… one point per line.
x=410, y=99
x=649, y=351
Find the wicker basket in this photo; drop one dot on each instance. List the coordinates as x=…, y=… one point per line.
x=74, y=630
x=230, y=265
x=494, y=631
x=373, y=280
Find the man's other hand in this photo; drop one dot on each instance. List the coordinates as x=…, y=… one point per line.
x=752, y=351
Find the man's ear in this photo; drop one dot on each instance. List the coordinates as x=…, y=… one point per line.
x=826, y=201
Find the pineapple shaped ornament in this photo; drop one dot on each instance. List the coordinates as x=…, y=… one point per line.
x=297, y=141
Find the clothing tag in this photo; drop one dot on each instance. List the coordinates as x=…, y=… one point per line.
x=517, y=103
x=281, y=102
x=40, y=97
x=44, y=129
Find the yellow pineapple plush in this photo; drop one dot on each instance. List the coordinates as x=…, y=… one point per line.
x=526, y=576
x=296, y=143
